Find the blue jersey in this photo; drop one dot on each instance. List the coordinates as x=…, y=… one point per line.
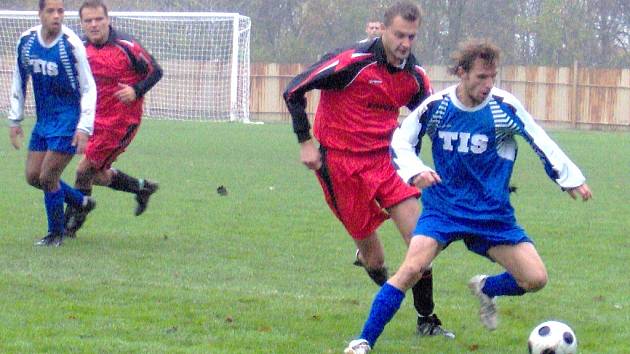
x=63, y=86
x=474, y=151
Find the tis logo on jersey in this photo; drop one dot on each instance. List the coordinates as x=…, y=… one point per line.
x=44, y=67
x=464, y=142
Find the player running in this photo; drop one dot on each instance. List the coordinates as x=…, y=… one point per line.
x=362, y=90
x=124, y=72
x=65, y=97
x=472, y=127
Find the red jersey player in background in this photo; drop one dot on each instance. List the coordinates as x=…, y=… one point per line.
x=124, y=71
x=362, y=89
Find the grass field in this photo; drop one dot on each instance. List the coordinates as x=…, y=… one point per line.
x=267, y=269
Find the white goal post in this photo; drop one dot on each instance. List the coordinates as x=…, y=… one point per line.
x=205, y=57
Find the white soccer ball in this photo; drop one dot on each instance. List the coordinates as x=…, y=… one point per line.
x=552, y=337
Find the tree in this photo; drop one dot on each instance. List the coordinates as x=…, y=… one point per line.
x=530, y=32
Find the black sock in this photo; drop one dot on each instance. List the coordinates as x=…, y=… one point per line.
x=379, y=276
x=125, y=183
x=423, y=294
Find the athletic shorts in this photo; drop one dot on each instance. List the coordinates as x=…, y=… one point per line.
x=478, y=235
x=62, y=144
x=107, y=143
x=358, y=187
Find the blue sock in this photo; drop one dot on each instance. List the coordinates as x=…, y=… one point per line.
x=384, y=307
x=502, y=284
x=54, y=210
x=72, y=196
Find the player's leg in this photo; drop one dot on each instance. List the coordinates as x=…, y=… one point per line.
x=366, y=181
x=34, y=161
x=422, y=250
x=104, y=147
x=120, y=181
x=371, y=257
x=85, y=175
x=526, y=271
x=104, y=177
x=52, y=167
x=350, y=201
x=74, y=197
x=508, y=245
x=405, y=216
x=142, y=188
x=76, y=214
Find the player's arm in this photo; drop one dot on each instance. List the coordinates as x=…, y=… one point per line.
x=424, y=88
x=87, y=88
x=406, y=144
x=331, y=72
x=557, y=164
x=18, y=92
x=144, y=63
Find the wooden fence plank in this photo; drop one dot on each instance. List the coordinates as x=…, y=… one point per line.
x=590, y=98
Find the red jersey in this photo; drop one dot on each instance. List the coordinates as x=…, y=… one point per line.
x=121, y=60
x=361, y=95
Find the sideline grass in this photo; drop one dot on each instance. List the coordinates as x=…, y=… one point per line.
x=267, y=269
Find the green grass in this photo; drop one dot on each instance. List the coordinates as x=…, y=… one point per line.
x=267, y=269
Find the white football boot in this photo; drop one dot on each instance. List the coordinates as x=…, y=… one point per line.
x=358, y=346
x=488, y=307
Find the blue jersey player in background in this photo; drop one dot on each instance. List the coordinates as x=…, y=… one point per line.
x=472, y=126
x=65, y=98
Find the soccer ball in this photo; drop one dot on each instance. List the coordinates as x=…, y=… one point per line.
x=552, y=337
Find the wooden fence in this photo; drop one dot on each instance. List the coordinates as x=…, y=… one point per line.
x=573, y=97
x=568, y=97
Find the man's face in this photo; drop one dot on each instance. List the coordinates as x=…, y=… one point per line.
x=373, y=29
x=398, y=39
x=477, y=83
x=95, y=24
x=51, y=16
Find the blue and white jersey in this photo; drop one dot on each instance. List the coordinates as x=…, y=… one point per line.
x=474, y=151
x=63, y=86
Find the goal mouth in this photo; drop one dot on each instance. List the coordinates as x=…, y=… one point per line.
x=205, y=57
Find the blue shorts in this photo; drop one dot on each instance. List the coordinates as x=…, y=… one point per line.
x=478, y=235
x=62, y=144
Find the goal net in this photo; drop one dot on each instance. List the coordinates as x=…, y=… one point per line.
x=204, y=55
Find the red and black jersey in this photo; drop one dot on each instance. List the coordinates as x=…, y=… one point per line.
x=121, y=60
x=361, y=95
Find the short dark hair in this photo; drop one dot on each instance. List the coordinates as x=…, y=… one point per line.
x=468, y=51
x=93, y=4
x=405, y=9
x=42, y=4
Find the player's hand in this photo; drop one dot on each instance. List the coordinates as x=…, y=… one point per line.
x=80, y=140
x=426, y=179
x=126, y=94
x=16, y=134
x=584, y=191
x=310, y=155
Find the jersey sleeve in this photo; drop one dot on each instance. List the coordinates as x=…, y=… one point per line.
x=331, y=72
x=405, y=145
x=87, y=88
x=145, y=64
x=18, y=90
x=425, y=89
x=557, y=165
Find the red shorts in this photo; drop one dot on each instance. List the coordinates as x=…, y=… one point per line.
x=358, y=187
x=107, y=143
